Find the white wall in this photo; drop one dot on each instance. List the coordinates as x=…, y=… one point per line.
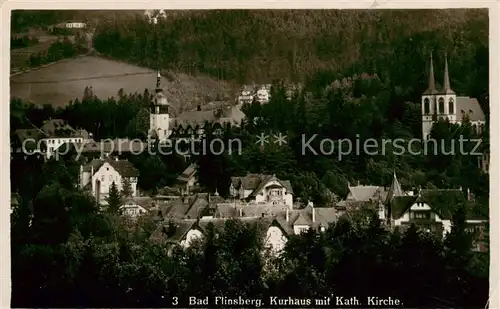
x=191, y=236
x=262, y=197
x=54, y=143
x=423, y=206
x=275, y=239
x=132, y=210
x=297, y=229
x=107, y=175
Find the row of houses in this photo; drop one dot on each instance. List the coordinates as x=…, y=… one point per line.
x=183, y=212
x=261, y=93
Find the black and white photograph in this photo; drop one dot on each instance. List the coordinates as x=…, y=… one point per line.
x=250, y=158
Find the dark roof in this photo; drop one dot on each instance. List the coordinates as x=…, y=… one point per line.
x=145, y=202
x=60, y=128
x=123, y=167
x=394, y=190
x=469, y=107
x=232, y=115
x=189, y=172
x=364, y=193
x=257, y=182
x=442, y=201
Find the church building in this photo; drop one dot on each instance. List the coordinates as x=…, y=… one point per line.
x=189, y=123
x=442, y=104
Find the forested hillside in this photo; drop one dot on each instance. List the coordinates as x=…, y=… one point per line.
x=261, y=46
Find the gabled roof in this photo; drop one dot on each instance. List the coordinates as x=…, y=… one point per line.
x=256, y=182
x=123, y=167
x=442, y=201
x=189, y=172
x=364, y=193
x=470, y=107
x=145, y=202
x=394, y=190
x=59, y=128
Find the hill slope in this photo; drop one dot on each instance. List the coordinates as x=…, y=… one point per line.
x=263, y=45
x=66, y=80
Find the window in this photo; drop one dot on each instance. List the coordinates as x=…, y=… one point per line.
x=451, y=106
x=427, y=108
x=102, y=178
x=441, y=105
x=421, y=215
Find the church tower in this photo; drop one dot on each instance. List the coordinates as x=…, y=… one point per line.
x=159, y=117
x=429, y=103
x=447, y=98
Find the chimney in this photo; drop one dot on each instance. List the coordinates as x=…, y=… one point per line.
x=313, y=213
x=287, y=215
x=358, y=183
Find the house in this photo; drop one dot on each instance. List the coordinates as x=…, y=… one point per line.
x=444, y=104
x=49, y=137
x=278, y=223
x=258, y=188
x=75, y=25
x=188, y=179
x=119, y=147
x=135, y=206
x=246, y=94
x=263, y=94
x=153, y=16
x=432, y=210
x=98, y=176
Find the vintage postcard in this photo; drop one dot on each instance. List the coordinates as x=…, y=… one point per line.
x=245, y=158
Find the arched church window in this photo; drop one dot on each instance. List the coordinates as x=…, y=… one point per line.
x=441, y=105
x=451, y=106
x=427, y=108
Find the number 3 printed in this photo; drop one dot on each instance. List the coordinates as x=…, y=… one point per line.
x=175, y=301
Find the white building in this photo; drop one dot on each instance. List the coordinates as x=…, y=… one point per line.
x=432, y=210
x=137, y=206
x=445, y=104
x=154, y=16
x=99, y=175
x=159, y=117
x=73, y=25
x=262, y=189
x=188, y=124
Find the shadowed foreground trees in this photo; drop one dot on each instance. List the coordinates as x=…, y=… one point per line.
x=73, y=256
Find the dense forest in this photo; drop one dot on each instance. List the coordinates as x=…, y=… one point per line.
x=260, y=46
x=364, y=73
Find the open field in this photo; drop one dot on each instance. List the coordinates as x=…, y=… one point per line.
x=64, y=81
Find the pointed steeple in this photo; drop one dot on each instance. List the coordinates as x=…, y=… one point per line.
x=158, y=80
x=446, y=83
x=395, y=189
x=432, y=83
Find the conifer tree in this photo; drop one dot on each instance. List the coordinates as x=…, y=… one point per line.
x=114, y=199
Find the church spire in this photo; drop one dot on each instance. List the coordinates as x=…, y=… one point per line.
x=432, y=83
x=158, y=80
x=446, y=83
x=395, y=189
